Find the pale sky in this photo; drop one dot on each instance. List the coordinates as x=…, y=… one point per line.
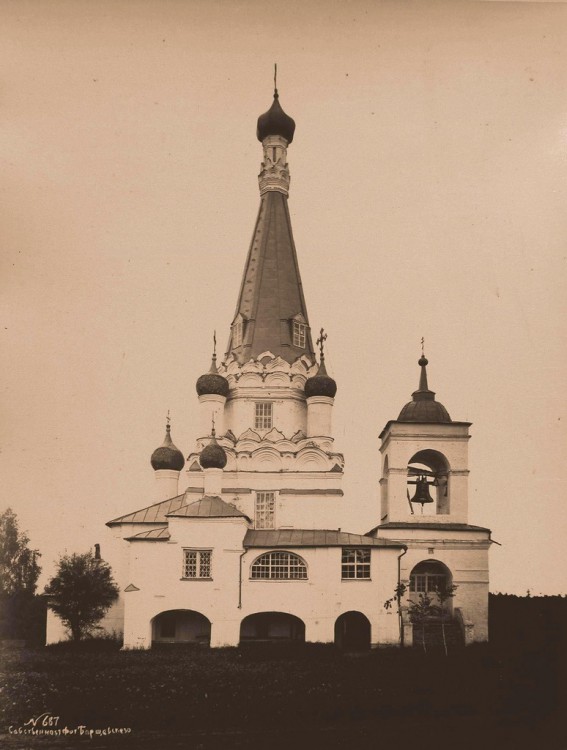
x=428, y=194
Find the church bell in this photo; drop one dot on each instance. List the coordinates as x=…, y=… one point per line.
x=422, y=492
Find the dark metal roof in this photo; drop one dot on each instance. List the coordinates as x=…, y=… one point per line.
x=340, y=493
x=208, y=507
x=213, y=456
x=428, y=411
x=155, y=513
x=427, y=525
x=321, y=384
x=212, y=382
x=275, y=122
x=167, y=456
x=271, y=294
x=268, y=538
x=152, y=535
x=423, y=407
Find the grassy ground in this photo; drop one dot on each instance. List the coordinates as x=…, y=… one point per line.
x=506, y=694
x=229, y=694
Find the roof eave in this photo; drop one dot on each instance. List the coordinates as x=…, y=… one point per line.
x=398, y=421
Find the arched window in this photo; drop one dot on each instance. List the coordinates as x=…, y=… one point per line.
x=279, y=566
x=428, y=577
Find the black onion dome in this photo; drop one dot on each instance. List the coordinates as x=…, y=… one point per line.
x=213, y=456
x=211, y=382
x=275, y=122
x=320, y=384
x=423, y=407
x=167, y=456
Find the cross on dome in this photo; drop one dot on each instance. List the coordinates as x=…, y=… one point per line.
x=320, y=343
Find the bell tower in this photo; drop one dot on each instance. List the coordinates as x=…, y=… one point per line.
x=424, y=462
x=424, y=505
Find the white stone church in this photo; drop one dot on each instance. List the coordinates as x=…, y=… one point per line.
x=241, y=542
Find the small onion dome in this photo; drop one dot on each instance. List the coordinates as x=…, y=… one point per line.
x=211, y=382
x=167, y=456
x=423, y=407
x=321, y=384
x=275, y=122
x=213, y=456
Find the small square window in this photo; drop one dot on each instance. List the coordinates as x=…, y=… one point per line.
x=263, y=419
x=299, y=334
x=355, y=563
x=197, y=563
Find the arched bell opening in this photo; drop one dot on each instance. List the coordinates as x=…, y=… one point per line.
x=352, y=632
x=181, y=626
x=434, y=579
x=428, y=483
x=272, y=627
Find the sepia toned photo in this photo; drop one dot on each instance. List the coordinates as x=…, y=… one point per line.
x=284, y=364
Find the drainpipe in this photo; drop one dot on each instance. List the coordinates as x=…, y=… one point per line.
x=398, y=597
x=240, y=579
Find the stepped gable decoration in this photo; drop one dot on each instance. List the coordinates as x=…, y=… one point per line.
x=423, y=407
x=167, y=456
x=321, y=384
x=212, y=382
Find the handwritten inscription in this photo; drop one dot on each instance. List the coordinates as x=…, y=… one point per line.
x=47, y=725
x=44, y=720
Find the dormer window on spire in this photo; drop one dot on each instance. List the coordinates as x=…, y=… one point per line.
x=238, y=332
x=299, y=334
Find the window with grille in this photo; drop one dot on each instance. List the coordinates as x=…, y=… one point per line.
x=265, y=510
x=299, y=334
x=197, y=563
x=355, y=563
x=279, y=566
x=237, y=333
x=264, y=415
x=423, y=583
